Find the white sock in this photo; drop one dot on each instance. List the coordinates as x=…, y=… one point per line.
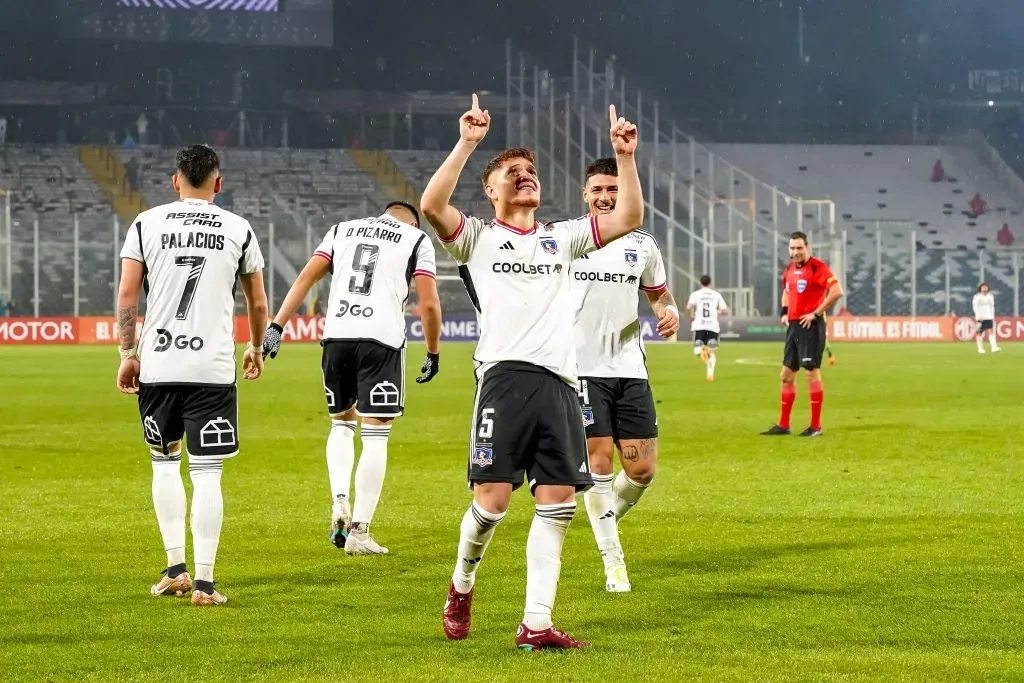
x=373, y=462
x=981, y=343
x=600, y=502
x=544, y=561
x=207, y=514
x=627, y=493
x=992, y=340
x=711, y=365
x=169, y=503
x=341, y=454
x=477, y=529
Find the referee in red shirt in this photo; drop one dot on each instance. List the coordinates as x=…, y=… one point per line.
x=809, y=289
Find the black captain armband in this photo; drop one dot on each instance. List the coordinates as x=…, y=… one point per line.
x=784, y=311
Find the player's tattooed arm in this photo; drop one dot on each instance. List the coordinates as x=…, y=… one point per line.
x=664, y=306
x=126, y=318
x=662, y=300
x=132, y=274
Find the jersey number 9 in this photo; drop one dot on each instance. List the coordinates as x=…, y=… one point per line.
x=364, y=262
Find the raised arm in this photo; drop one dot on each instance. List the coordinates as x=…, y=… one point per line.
x=444, y=217
x=628, y=214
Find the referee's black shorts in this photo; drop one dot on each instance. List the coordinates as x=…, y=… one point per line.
x=805, y=346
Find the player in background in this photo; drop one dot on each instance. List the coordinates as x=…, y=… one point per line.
x=809, y=289
x=372, y=261
x=188, y=256
x=984, y=305
x=526, y=418
x=615, y=396
x=704, y=307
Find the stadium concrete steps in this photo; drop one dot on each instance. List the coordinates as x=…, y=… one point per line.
x=111, y=177
x=386, y=175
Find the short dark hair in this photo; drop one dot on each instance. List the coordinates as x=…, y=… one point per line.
x=196, y=163
x=408, y=207
x=602, y=166
x=799, y=236
x=501, y=157
x=705, y=280
x=983, y=284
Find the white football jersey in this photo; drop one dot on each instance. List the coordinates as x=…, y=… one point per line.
x=192, y=254
x=372, y=262
x=605, y=286
x=984, y=306
x=706, y=304
x=519, y=284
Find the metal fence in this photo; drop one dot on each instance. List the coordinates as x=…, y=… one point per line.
x=65, y=265
x=69, y=265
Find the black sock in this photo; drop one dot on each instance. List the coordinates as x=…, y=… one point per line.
x=176, y=571
x=204, y=586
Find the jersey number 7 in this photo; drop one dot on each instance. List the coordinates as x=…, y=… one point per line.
x=195, y=263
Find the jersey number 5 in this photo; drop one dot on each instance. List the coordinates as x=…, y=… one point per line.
x=363, y=262
x=195, y=264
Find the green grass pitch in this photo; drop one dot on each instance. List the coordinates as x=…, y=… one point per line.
x=890, y=549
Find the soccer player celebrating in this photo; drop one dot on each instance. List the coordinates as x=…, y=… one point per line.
x=187, y=255
x=616, y=398
x=984, y=305
x=704, y=306
x=526, y=418
x=372, y=261
x=809, y=289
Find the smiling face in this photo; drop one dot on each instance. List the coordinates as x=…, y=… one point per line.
x=514, y=183
x=799, y=252
x=600, y=193
x=510, y=179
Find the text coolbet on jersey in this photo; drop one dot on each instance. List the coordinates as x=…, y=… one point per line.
x=516, y=276
x=192, y=252
x=605, y=283
x=372, y=262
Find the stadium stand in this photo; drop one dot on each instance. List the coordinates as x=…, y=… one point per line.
x=883, y=194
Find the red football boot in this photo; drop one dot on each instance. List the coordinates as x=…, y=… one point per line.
x=457, y=613
x=530, y=640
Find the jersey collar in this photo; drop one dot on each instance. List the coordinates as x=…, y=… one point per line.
x=513, y=228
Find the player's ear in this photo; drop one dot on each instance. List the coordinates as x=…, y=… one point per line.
x=491, y=193
x=218, y=184
x=175, y=183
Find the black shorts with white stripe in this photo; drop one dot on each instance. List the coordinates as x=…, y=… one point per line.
x=527, y=424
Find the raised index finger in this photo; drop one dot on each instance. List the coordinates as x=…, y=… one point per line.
x=612, y=115
x=476, y=102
